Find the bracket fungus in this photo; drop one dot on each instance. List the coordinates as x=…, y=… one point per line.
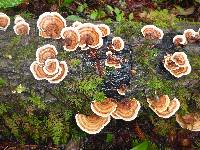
x=21, y=27
x=191, y=35
x=190, y=121
x=71, y=38
x=47, y=66
x=4, y=21
x=164, y=107
x=117, y=43
x=76, y=24
x=177, y=64
x=90, y=36
x=112, y=60
x=50, y=25
x=92, y=124
x=152, y=32
x=179, y=40
x=105, y=30
x=127, y=110
x=122, y=89
x=105, y=108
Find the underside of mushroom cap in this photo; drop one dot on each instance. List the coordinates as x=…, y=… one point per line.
x=71, y=38
x=63, y=71
x=105, y=108
x=90, y=36
x=46, y=52
x=4, y=21
x=189, y=121
x=160, y=104
x=152, y=32
x=127, y=110
x=171, y=109
x=117, y=43
x=105, y=30
x=50, y=25
x=92, y=124
x=21, y=28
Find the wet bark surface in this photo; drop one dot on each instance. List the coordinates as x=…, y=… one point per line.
x=17, y=54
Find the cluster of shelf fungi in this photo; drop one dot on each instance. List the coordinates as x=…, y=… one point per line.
x=87, y=36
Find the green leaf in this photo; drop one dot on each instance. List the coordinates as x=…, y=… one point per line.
x=142, y=146
x=117, y=11
x=81, y=8
x=74, y=18
x=109, y=9
x=94, y=15
x=10, y=3
x=68, y=1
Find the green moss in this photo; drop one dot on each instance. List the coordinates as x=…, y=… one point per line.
x=36, y=101
x=2, y=82
x=127, y=29
x=75, y=62
x=163, y=19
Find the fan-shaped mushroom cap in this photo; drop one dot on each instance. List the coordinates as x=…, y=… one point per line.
x=18, y=19
x=159, y=105
x=177, y=64
x=71, y=37
x=105, y=30
x=117, y=43
x=122, y=90
x=181, y=71
x=76, y=24
x=51, y=66
x=180, y=40
x=171, y=109
x=63, y=71
x=152, y=32
x=37, y=70
x=90, y=36
x=50, y=25
x=46, y=52
x=105, y=108
x=190, y=35
x=189, y=121
x=127, y=110
x=180, y=58
x=21, y=28
x=92, y=124
x=4, y=21
x=112, y=61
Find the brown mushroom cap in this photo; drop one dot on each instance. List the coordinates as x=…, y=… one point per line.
x=90, y=36
x=112, y=61
x=190, y=121
x=159, y=105
x=22, y=28
x=180, y=59
x=177, y=64
x=180, y=40
x=92, y=124
x=71, y=37
x=127, y=110
x=171, y=109
x=37, y=70
x=63, y=71
x=152, y=32
x=104, y=29
x=4, y=21
x=191, y=35
x=46, y=52
x=105, y=108
x=117, y=43
x=50, y=25
x=51, y=66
